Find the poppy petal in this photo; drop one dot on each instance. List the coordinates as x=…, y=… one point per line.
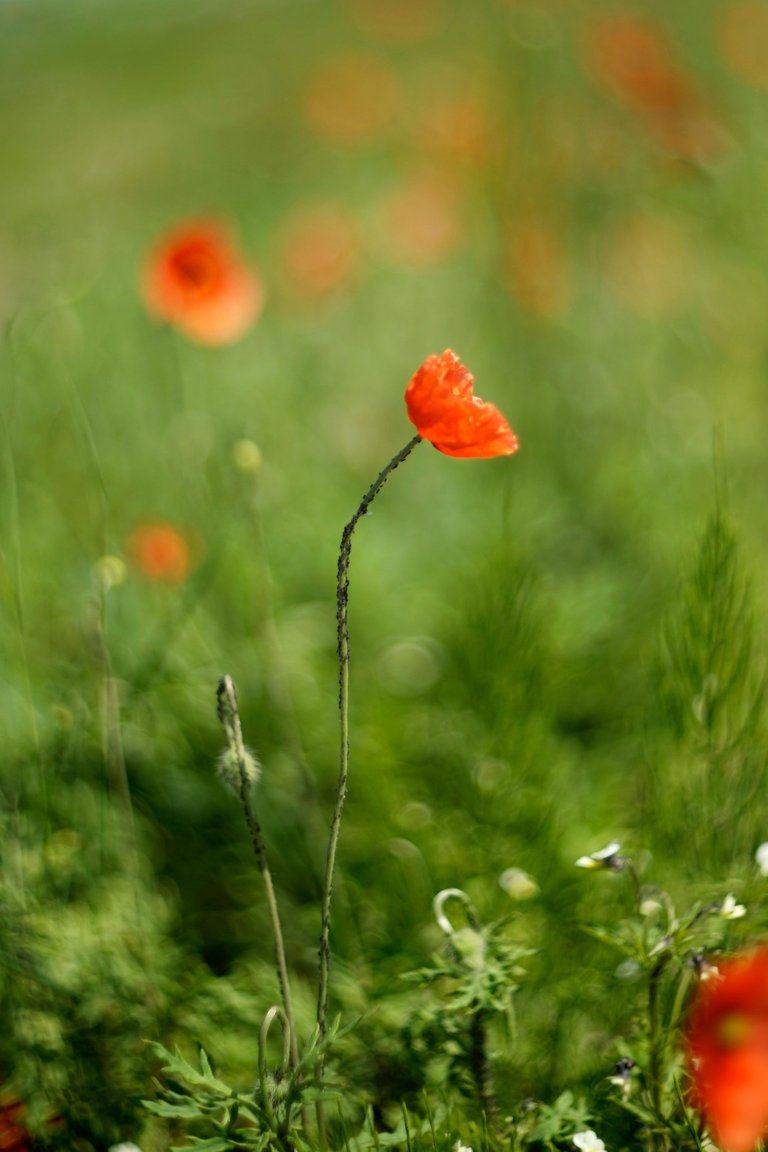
x=445, y=412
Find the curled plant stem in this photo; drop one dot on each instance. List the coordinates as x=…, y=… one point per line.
x=438, y=907
x=480, y=1065
x=342, y=632
x=273, y=1014
x=229, y=716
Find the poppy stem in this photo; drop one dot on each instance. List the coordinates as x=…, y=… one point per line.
x=342, y=632
x=229, y=717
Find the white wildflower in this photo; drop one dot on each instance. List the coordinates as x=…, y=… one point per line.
x=730, y=910
x=588, y=1142
x=607, y=857
x=459, y=1147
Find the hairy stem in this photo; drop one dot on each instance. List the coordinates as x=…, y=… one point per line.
x=229, y=715
x=481, y=1069
x=342, y=632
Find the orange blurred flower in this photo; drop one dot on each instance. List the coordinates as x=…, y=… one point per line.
x=631, y=57
x=395, y=21
x=14, y=1137
x=727, y=1040
x=453, y=115
x=319, y=250
x=650, y=266
x=418, y=220
x=537, y=269
x=743, y=41
x=160, y=553
x=445, y=412
x=195, y=279
x=351, y=99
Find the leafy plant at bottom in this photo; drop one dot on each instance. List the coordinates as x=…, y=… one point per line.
x=269, y=1116
x=477, y=975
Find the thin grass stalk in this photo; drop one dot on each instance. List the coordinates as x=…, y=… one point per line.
x=342, y=632
x=229, y=716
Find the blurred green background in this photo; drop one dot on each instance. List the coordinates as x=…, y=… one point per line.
x=570, y=195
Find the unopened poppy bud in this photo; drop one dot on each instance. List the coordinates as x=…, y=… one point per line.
x=518, y=884
x=246, y=456
x=110, y=571
x=470, y=947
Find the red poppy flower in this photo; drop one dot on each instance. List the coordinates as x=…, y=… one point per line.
x=14, y=1137
x=441, y=405
x=160, y=553
x=728, y=1052
x=631, y=57
x=195, y=279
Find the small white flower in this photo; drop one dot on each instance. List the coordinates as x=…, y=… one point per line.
x=459, y=1147
x=588, y=1142
x=730, y=910
x=518, y=884
x=761, y=856
x=125, y=1148
x=605, y=858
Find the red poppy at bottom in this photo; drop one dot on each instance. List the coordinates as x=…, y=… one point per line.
x=728, y=1052
x=441, y=405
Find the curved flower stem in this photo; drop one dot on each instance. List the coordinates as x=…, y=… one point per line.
x=342, y=632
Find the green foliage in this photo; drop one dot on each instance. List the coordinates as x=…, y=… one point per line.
x=550, y=1125
x=609, y=293
x=84, y=981
x=240, y=1120
x=706, y=780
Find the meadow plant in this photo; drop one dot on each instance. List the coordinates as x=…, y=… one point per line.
x=670, y=1077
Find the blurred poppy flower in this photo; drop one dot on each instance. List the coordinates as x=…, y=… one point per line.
x=445, y=412
x=743, y=41
x=319, y=250
x=418, y=220
x=658, y=257
x=196, y=280
x=396, y=21
x=537, y=269
x=727, y=1041
x=160, y=553
x=631, y=57
x=351, y=99
x=453, y=116
x=14, y=1137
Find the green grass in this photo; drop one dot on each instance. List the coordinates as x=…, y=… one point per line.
x=530, y=636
